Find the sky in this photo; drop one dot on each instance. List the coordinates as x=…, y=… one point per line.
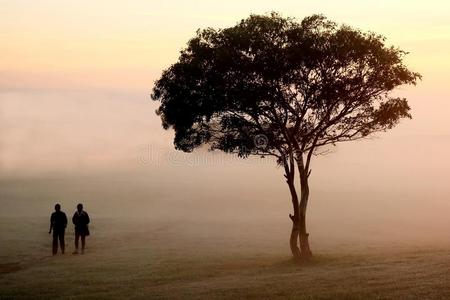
x=76, y=78
x=54, y=45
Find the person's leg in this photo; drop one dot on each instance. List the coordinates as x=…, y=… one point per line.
x=55, y=242
x=83, y=243
x=77, y=237
x=62, y=244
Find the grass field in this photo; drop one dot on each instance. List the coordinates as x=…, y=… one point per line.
x=137, y=259
x=206, y=243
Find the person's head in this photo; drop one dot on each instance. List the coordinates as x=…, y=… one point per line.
x=57, y=207
x=80, y=207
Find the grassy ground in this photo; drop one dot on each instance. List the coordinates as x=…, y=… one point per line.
x=137, y=259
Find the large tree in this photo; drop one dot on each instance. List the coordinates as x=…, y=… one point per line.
x=272, y=86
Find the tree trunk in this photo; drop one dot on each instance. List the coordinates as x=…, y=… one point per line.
x=298, y=232
x=303, y=234
x=293, y=241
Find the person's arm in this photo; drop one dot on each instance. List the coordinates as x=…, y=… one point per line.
x=65, y=221
x=87, y=218
x=51, y=224
x=74, y=219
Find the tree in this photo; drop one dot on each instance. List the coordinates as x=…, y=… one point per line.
x=273, y=86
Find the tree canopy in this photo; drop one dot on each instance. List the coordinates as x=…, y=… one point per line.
x=299, y=85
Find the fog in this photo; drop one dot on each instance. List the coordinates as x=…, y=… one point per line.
x=108, y=151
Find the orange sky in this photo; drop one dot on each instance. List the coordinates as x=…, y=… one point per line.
x=75, y=76
x=117, y=44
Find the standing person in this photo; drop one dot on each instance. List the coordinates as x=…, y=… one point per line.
x=58, y=223
x=81, y=220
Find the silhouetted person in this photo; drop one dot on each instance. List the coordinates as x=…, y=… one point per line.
x=58, y=223
x=81, y=220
